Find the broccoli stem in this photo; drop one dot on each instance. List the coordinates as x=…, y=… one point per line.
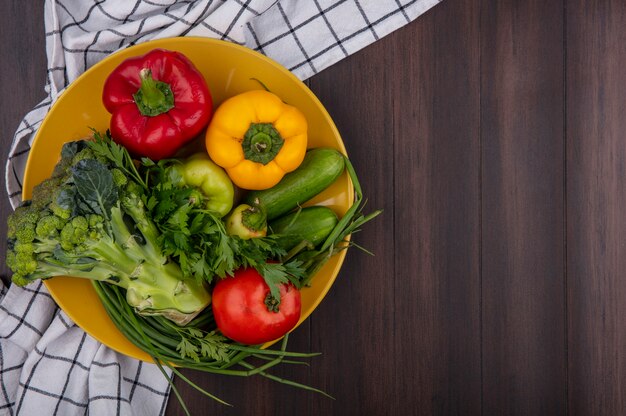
x=162, y=290
x=134, y=207
x=153, y=286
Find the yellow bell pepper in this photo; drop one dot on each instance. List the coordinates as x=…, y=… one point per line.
x=257, y=139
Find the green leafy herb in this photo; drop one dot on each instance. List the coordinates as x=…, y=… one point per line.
x=103, y=146
x=277, y=273
x=197, y=238
x=196, y=343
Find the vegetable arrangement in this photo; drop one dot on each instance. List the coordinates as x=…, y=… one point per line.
x=198, y=259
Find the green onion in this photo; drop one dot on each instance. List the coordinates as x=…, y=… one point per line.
x=159, y=338
x=351, y=222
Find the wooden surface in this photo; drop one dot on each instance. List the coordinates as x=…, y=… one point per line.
x=493, y=134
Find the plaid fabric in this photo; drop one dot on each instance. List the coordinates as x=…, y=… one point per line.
x=47, y=364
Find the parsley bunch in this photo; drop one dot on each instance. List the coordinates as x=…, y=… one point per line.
x=197, y=239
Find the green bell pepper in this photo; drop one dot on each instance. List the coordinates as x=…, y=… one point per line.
x=200, y=172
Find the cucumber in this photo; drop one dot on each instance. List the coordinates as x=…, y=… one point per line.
x=319, y=169
x=313, y=224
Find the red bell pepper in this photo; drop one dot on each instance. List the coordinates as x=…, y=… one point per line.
x=158, y=102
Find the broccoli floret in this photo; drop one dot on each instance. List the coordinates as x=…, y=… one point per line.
x=83, y=154
x=74, y=233
x=22, y=247
x=22, y=222
x=28, y=215
x=119, y=178
x=20, y=279
x=96, y=224
x=60, y=212
x=25, y=233
x=95, y=220
x=132, y=189
x=49, y=226
x=26, y=263
x=44, y=193
x=103, y=232
x=22, y=262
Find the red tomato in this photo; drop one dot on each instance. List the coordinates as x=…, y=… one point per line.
x=241, y=313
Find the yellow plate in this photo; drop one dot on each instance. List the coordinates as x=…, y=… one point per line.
x=229, y=69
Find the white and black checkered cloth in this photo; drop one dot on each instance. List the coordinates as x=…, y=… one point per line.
x=47, y=364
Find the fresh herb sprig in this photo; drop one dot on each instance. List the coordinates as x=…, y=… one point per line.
x=104, y=146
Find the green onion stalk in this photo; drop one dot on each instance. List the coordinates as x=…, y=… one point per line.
x=160, y=339
x=351, y=222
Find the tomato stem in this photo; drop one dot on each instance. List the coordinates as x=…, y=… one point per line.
x=273, y=304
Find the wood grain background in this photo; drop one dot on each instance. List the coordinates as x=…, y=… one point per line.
x=493, y=135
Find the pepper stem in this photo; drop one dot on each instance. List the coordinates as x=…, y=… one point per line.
x=254, y=218
x=247, y=221
x=261, y=143
x=153, y=97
